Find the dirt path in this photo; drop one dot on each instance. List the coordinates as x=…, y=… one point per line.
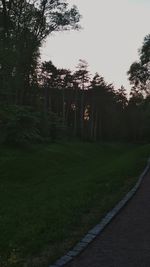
x=125, y=242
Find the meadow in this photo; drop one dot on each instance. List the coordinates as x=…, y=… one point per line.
x=51, y=195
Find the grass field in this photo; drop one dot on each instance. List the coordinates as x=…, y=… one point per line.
x=51, y=195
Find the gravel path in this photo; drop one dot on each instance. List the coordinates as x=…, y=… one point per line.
x=125, y=242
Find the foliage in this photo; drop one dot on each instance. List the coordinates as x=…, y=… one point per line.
x=24, y=26
x=19, y=125
x=65, y=103
x=52, y=127
x=138, y=110
x=139, y=72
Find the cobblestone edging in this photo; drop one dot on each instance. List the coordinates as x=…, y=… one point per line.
x=92, y=234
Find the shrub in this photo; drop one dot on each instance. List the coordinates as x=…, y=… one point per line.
x=19, y=125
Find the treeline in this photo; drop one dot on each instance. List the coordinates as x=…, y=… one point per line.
x=39, y=102
x=92, y=109
x=89, y=109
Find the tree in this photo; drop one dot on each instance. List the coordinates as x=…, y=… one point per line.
x=96, y=105
x=138, y=109
x=139, y=72
x=121, y=97
x=48, y=80
x=24, y=25
x=82, y=78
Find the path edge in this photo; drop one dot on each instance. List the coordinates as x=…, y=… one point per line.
x=96, y=230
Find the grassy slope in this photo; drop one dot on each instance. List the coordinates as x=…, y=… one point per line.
x=50, y=196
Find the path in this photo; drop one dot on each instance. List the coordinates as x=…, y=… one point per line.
x=125, y=242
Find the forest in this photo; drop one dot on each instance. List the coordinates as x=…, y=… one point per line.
x=71, y=144
x=42, y=103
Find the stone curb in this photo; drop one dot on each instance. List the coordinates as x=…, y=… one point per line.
x=92, y=234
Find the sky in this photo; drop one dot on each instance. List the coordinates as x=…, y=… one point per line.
x=111, y=35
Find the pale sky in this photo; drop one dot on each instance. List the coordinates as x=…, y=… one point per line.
x=113, y=31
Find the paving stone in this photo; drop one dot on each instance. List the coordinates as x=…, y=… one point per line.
x=97, y=229
x=80, y=246
x=110, y=215
x=73, y=253
x=88, y=238
x=106, y=220
x=117, y=208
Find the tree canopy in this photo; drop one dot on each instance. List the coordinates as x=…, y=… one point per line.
x=24, y=25
x=139, y=72
x=45, y=102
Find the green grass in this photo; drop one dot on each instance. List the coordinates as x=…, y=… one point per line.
x=51, y=195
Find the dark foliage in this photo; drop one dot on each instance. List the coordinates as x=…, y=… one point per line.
x=19, y=125
x=40, y=102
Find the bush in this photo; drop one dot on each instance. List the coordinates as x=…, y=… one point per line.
x=19, y=125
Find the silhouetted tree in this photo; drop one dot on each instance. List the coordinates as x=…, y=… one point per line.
x=138, y=107
x=139, y=72
x=24, y=25
x=82, y=78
